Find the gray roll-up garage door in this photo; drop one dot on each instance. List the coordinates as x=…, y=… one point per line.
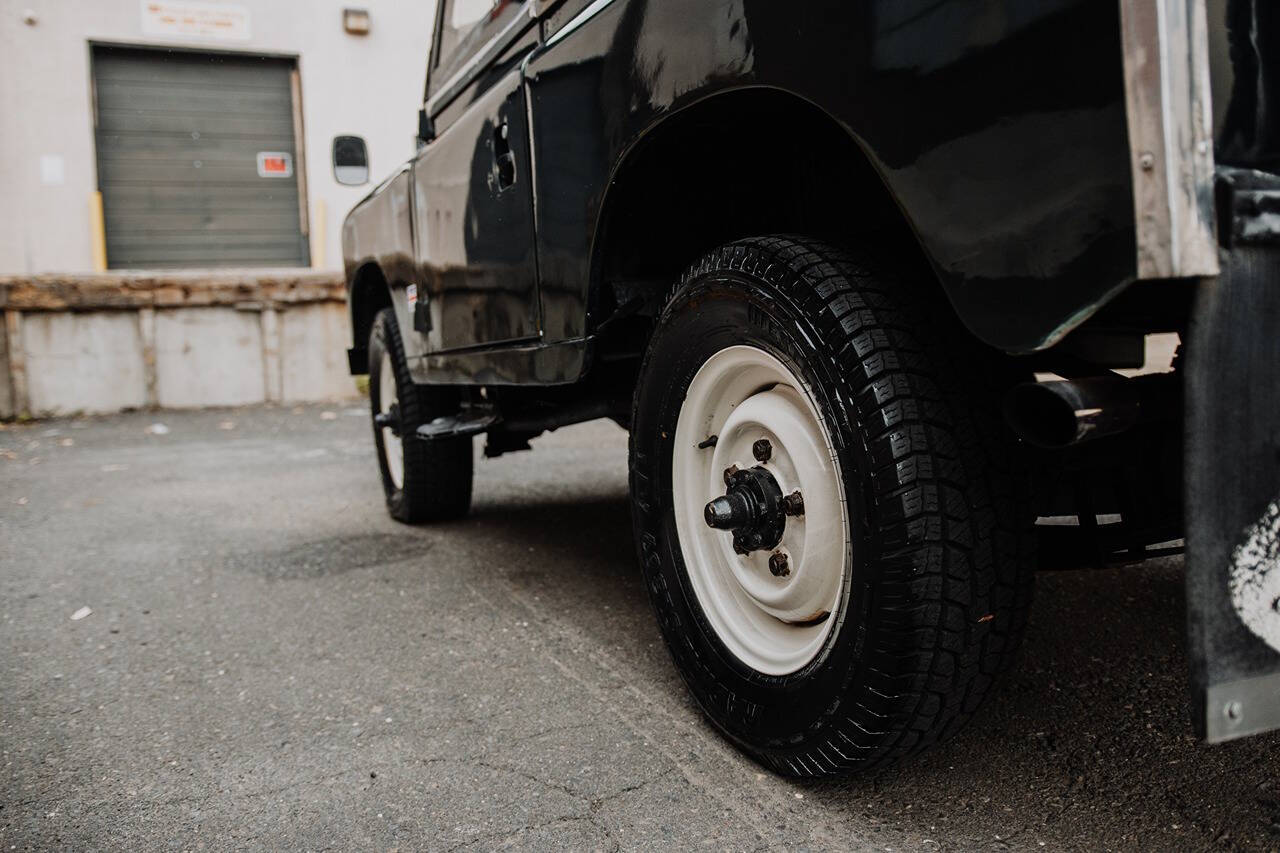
x=197, y=160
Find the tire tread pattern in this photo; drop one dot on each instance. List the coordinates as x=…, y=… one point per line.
x=437, y=474
x=954, y=544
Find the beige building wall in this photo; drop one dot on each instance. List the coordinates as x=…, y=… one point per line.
x=369, y=86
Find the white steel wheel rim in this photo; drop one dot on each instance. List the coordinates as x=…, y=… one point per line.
x=775, y=625
x=392, y=446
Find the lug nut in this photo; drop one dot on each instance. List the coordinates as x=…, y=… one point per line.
x=778, y=565
x=729, y=472
x=793, y=504
x=762, y=450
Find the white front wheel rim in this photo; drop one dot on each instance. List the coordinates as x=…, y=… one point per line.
x=774, y=624
x=392, y=447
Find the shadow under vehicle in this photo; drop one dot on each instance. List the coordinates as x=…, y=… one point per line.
x=869, y=284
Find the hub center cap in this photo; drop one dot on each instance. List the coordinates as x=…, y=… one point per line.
x=752, y=509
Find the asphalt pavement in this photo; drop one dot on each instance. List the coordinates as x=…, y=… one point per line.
x=213, y=637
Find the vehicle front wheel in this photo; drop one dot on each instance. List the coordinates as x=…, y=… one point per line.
x=422, y=480
x=824, y=508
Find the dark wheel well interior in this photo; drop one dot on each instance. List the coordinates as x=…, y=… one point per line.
x=368, y=295
x=741, y=164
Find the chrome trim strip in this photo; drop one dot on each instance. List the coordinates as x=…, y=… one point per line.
x=578, y=20
x=533, y=187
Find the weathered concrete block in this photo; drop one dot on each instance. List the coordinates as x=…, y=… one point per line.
x=112, y=341
x=123, y=289
x=208, y=357
x=83, y=362
x=313, y=352
x=8, y=406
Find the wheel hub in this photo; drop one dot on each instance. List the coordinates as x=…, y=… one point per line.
x=752, y=509
x=389, y=419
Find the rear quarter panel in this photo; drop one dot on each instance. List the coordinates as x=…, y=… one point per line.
x=998, y=126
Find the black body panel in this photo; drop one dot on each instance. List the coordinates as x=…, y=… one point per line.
x=998, y=127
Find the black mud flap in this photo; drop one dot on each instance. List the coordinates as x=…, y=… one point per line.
x=1233, y=497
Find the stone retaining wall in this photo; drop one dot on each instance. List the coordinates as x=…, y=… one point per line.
x=106, y=342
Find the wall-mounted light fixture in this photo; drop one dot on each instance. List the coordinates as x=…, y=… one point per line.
x=356, y=21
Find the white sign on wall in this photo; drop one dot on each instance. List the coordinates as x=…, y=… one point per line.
x=53, y=171
x=221, y=21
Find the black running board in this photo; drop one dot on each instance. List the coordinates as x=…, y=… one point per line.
x=465, y=423
x=524, y=424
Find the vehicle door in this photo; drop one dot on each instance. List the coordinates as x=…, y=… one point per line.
x=473, y=203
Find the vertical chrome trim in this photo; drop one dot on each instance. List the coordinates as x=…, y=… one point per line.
x=527, y=93
x=1170, y=120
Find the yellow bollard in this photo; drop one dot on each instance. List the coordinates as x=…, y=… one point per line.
x=319, y=231
x=97, y=232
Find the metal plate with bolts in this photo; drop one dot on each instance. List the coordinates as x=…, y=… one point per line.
x=1241, y=708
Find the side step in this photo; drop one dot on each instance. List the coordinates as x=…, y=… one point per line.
x=472, y=421
x=520, y=425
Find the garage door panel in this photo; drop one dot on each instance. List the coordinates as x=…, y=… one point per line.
x=242, y=155
x=211, y=219
x=204, y=111
x=183, y=67
x=120, y=122
x=128, y=199
x=247, y=249
x=240, y=124
x=124, y=206
x=181, y=143
x=190, y=99
x=178, y=138
x=255, y=244
x=242, y=173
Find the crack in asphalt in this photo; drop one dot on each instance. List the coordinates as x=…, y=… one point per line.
x=741, y=807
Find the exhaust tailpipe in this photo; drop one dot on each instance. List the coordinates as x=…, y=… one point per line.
x=1059, y=414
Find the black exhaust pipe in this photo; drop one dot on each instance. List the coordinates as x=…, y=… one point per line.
x=1059, y=414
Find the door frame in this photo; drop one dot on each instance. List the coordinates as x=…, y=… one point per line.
x=295, y=95
x=477, y=60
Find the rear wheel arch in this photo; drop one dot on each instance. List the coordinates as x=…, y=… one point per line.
x=738, y=164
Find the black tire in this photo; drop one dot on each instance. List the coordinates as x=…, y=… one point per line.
x=437, y=474
x=937, y=588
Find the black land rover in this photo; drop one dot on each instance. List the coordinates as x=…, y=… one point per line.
x=871, y=284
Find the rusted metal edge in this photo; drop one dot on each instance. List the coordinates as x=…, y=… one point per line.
x=131, y=290
x=1170, y=119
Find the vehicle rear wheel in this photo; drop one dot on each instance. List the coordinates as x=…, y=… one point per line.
x=825, y=507
x=422, y=480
